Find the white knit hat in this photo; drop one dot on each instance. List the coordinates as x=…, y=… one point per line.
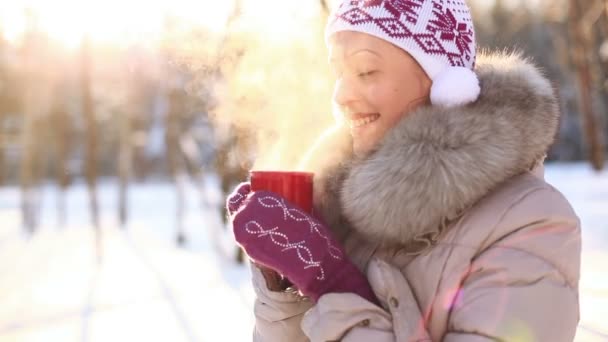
x=439, y=34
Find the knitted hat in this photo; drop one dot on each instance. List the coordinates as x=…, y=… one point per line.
x=439, y=34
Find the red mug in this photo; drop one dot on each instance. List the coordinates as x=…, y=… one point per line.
x=296, y=187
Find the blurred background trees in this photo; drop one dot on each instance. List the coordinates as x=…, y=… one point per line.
x=569, y=39
x=197, y=100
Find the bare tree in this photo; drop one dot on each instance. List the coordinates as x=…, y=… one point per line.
x=28, y=165
x=91, y=141
x=125, y=164
x=173, y=154
x=33, y=101
x=324, y=6
x=61, y=138
x=3, y=80
x=3, y=163
x=583, y=16
x=125, y=135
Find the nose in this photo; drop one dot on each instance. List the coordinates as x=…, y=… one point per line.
x=344, y=93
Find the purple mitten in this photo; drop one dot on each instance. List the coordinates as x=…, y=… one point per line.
x=274, y=281
x=278, y=235
x=236, y=198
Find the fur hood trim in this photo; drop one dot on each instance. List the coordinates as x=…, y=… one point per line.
x=438, y=162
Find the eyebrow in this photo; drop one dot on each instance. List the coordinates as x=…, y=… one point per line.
x=364, y=50
x=332, y=60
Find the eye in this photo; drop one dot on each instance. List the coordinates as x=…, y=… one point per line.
x=366, y=74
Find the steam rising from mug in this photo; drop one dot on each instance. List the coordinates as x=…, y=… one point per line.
x=276, y=85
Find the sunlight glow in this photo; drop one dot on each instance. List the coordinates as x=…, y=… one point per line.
x=114, y=21
x=280, y=20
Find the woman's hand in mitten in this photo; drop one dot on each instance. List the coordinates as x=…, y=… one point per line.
x=274, y=281
x=237, y=197
x=278, y=235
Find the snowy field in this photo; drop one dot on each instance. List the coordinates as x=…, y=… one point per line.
x=147, y=289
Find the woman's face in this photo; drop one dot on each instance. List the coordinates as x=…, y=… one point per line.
x=376, y=84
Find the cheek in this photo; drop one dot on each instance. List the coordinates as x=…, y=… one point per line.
x=389, y=100
x=381, y=97
x=393, y=105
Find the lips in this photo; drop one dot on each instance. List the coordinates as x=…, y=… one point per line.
x=361, y=120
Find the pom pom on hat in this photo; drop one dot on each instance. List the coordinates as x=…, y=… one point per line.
x=455, y=86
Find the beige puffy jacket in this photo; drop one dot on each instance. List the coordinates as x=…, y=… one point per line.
x=450, y=218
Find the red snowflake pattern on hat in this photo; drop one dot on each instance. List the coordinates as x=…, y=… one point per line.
x=451, y=30
x=393, y=27
x=441, y=28
x=370, y=3
x=408, y=8
x=356, y=16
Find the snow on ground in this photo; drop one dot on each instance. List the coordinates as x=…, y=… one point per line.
x=146, y=289
x=587, y=191
x=52, y=289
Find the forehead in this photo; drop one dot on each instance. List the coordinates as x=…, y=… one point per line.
x=343, y=44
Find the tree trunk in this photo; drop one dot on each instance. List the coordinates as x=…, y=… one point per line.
x=3, y=111
x=125, y=152
x=172, y=125
x=32, y=106
x=60, y=121
x=325, y=7
x=91, y=143
x=124, y=168
x=582, y=38
x=26, y=168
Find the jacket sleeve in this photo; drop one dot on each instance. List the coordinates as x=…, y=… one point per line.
x=277, y=314
x=524, y=287
x=349, y=318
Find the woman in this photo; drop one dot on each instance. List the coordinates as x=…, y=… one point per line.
x=434, y=223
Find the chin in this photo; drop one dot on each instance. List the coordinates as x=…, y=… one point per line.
x=360, y=150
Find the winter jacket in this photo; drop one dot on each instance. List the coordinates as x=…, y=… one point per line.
x=451, y=220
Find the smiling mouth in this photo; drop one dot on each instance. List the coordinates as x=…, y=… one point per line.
x=357, y=123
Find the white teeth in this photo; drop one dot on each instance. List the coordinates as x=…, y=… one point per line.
x=364, y=121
